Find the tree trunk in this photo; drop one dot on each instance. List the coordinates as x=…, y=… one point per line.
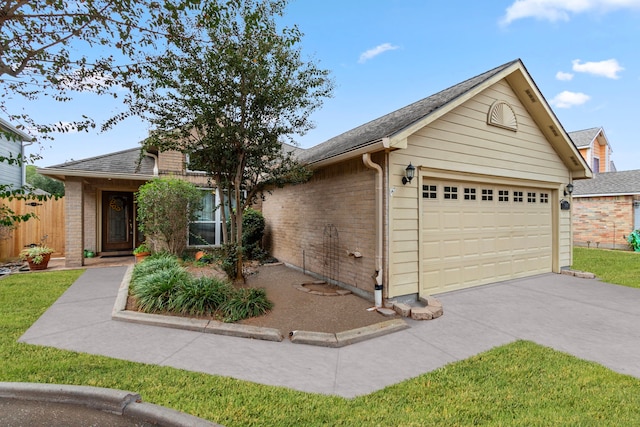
x=223, y=213
x=238, y=221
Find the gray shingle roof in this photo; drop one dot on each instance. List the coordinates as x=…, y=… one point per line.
x=121, y=162
x=623, y=182
x=584, y=138
x=394, y=122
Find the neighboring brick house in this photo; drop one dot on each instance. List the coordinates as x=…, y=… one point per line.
x=491, y=164
x=606, y=209
x=99, y=202
x=12, y=143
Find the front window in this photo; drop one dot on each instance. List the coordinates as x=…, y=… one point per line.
x=206, y=229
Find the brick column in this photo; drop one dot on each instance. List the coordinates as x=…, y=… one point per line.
x=74, y=215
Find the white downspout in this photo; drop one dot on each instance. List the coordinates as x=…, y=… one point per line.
x=366, y=159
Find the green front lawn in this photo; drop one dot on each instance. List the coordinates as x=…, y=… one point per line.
x=618, y=267
x=518, y=384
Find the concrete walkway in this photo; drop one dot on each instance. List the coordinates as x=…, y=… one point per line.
x=592, y=320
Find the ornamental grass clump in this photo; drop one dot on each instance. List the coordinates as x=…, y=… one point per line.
x=155, y=262
x=156, y=291
x=161, y=284
x=247, y=302
x=202, y=295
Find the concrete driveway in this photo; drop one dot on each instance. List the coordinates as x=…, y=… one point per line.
x=584, y=317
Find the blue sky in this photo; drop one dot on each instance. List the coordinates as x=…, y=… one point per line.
x=385, y=54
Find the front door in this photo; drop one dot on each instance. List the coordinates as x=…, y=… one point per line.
x=117, y=221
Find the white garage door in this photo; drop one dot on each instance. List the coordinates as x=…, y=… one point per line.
x=474, y=234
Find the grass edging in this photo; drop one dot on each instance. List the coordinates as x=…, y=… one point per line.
x=336, y=340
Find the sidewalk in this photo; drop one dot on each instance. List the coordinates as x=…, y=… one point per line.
x=587, y=318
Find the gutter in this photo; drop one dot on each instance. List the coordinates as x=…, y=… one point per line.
x=379, y=145
x=379, y=228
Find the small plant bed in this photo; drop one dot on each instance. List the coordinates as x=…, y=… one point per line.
x=162, y=285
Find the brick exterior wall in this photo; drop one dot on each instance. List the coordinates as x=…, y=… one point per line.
x=297, y=218
x=90, y=219
x=602, y=222
x=73, y=222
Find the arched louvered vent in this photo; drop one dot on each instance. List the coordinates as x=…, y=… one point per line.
x=501, y=114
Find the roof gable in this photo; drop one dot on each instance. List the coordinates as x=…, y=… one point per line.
x=395, y=122
x=584, y=138
x=392, y=130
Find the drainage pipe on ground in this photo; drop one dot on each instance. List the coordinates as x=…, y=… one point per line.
x=366, y=159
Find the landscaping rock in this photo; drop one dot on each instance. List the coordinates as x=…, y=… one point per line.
x=421, y=313
x=402, y=309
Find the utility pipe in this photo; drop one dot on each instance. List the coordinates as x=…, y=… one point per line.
x=366, y=159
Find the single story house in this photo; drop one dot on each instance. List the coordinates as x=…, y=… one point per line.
x=463, y=188
x=100, y=212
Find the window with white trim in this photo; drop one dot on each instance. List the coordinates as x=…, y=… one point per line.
x=503, y=195
x=544, y=197
x=531, y=197
x=487, y=194
x=206, y=229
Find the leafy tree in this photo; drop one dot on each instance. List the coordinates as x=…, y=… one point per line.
x=228, y=91
x=50, y=185
x=40, y=55
x=165, y=208
x=42, y=45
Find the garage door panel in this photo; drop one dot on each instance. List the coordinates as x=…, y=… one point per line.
x=472, y=242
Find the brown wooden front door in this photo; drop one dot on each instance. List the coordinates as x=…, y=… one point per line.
x=117, y=221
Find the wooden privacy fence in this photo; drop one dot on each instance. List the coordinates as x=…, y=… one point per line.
x=48, y=227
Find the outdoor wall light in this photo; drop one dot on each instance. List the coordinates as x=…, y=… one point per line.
x=568, y=189
x=409, y=173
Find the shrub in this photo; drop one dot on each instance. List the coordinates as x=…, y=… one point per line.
x=155, y=262
x=162, y=284
x=247, y=302
x=202, y=295
x=165, y=208
x=157, y=291
x=634, y=240
x=252, y=232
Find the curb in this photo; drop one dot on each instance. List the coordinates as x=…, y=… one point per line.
x=323, y=339
x=341, y=339
x=118, y=402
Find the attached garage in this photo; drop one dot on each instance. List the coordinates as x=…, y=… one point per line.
x=474, y=233
x=485, y=200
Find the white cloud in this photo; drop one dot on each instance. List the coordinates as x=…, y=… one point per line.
x=568, y=99
x=561, y=10
x=372, y=53
x=609, y=68
x=561, y=75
